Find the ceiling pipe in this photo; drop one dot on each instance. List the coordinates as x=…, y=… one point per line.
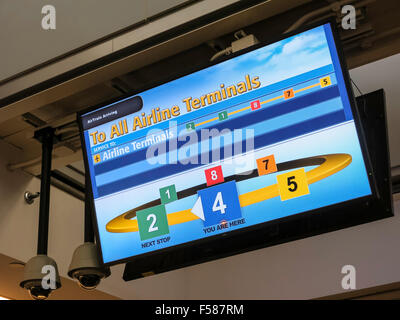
x=46, y=136
x=41, y=266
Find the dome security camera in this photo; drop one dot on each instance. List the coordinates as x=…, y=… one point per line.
x=34, y=274
x=86, y=268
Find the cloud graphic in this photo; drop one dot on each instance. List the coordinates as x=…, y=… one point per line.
x=275, y=62
x=279, y=61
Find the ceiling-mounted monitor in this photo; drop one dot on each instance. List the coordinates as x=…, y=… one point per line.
x=268, y=134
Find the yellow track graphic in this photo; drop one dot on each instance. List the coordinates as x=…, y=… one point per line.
x=331, y=164
x=262, y=102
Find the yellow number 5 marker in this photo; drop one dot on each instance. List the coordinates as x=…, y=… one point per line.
x=324, y=82
x=293, y=184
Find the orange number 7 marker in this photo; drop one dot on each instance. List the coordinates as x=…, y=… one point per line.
x=266, y=165
x=288, y=94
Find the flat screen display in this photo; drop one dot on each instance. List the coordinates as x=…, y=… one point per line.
x=265, y=135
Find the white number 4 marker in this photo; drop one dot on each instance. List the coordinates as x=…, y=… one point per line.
x=219, y=204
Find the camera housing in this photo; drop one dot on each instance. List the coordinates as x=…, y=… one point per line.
x=33, y=276
x=85, y=267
